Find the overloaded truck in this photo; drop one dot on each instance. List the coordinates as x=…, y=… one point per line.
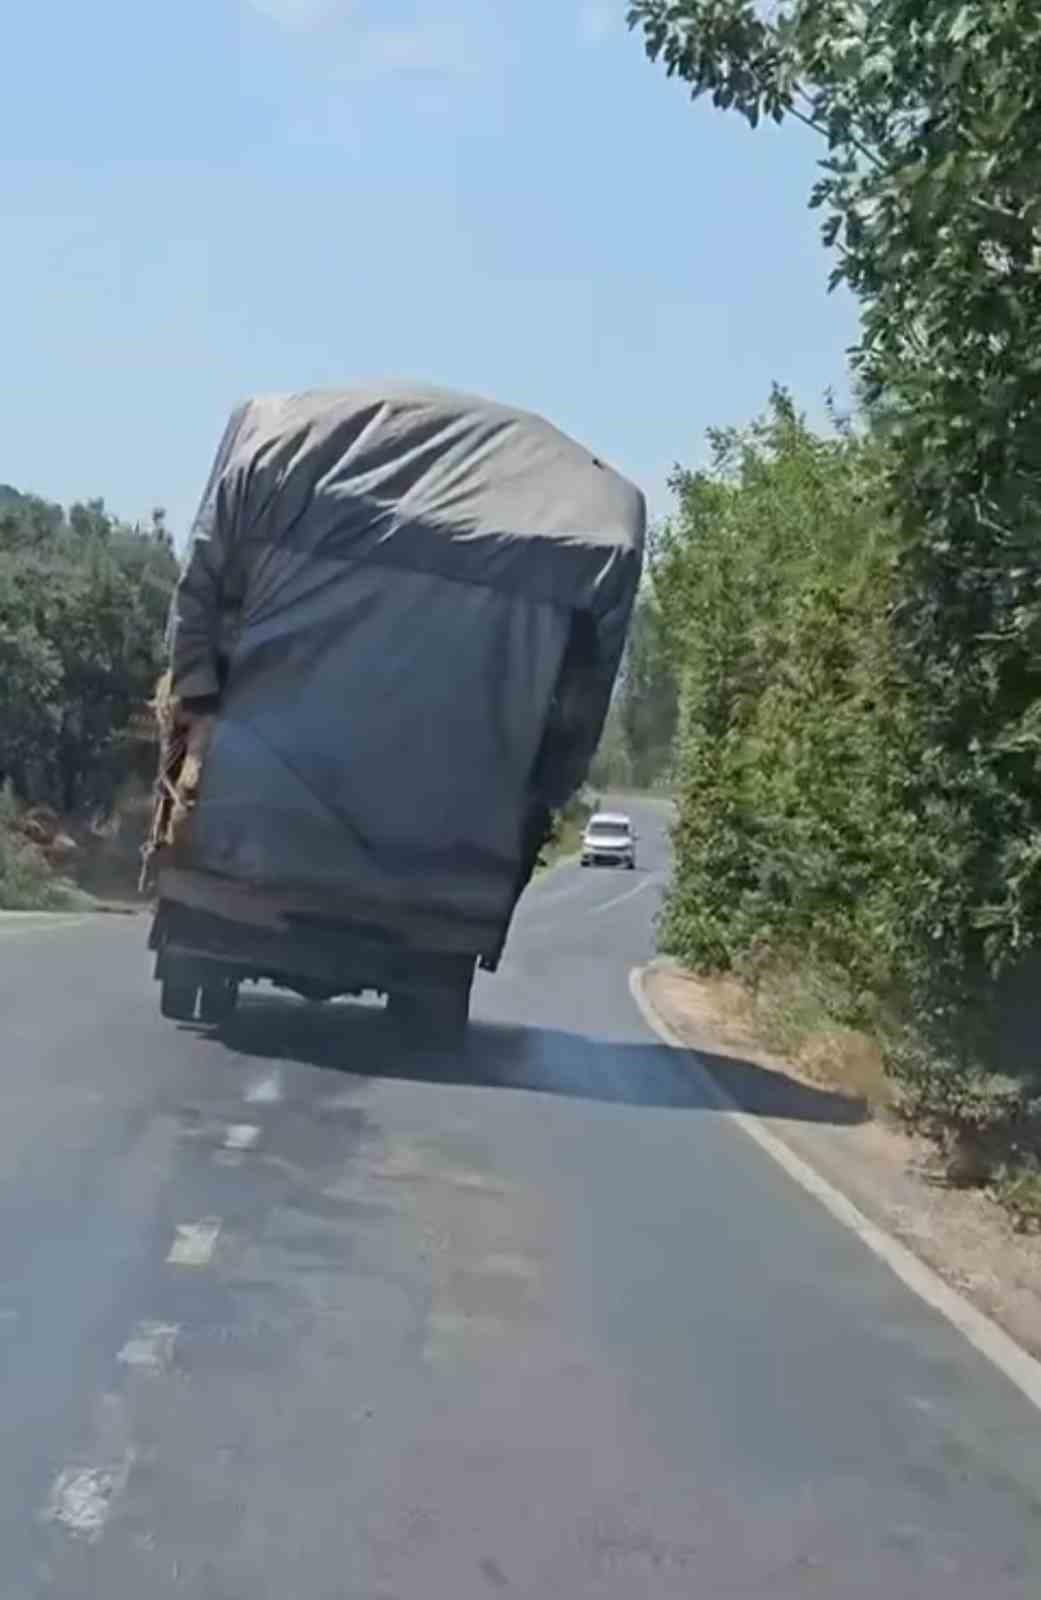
x=392, y=650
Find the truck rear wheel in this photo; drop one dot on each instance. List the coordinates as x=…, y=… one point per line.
x=217, y=1001
x=436, y=1017
x=177, y=1000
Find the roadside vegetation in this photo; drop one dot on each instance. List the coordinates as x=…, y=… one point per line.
x=83, y=602
x=568, y=828
x=854, y=620
x=637, y=748
x=29, y=881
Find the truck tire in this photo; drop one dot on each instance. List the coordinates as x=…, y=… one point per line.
x=177, y=1000
x=217, y=1001
x=436, y=1017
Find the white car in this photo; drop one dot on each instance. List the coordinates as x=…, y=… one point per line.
x=609, y=840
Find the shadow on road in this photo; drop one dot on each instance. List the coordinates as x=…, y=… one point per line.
x=360, y=1041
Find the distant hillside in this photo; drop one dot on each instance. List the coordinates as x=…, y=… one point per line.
x=9, y=496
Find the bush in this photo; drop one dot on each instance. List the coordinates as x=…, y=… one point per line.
x=566, y=830
x=83, y=603
x=818, y=826
x=794, y=824
x=27, y=882
x=914, y=862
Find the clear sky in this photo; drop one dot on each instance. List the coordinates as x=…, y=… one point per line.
x=214, y=197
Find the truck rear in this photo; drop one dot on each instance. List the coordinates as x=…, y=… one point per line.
x=393, y=647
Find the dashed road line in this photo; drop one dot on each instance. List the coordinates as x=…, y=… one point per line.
x=151, y=1345
x=82, y=1497
x=620, y=899
x=241, y=1136
x=195, y=1243
x=265, y=1091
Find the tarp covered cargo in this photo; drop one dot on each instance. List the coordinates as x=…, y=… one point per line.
x=413, y=604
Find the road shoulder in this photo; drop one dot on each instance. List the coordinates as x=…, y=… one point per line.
x=884, y=1174
x=31, y=921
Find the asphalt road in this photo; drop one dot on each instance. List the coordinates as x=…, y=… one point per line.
x=288, y=1315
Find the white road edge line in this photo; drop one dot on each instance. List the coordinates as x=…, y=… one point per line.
x=195, y=1243
x=619, y=899
x=986, y=1336
x=42, y=921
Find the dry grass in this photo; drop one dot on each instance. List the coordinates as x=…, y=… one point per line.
x=29, y=877
x=788, y=1015
x=783, y=1019
x=1019, y=1191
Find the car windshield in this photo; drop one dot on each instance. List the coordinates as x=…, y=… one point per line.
x=602, y=827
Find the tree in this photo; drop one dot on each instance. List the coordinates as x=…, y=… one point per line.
x=30, y=705
x=83, y=604
x=636, y=747
x=793, y=823
x=648, y=695
x=930, y=113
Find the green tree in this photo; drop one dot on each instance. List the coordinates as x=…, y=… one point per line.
x=637, y=744
x=648, y=701
x=83, y=603
x=793, y=824
x=930, y=116
x=30, y=699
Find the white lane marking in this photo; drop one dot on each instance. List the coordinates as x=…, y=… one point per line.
x=241, y=1136
x=82, y=1497
x=16, y=922
x=265, y=1091
x=620, y=899
x=195, y=1243
x=536, y=898
x=345, y=1100
x=986, y=1336
x=150, y=1345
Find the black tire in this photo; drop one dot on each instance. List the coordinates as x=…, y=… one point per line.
x=217, y=1001
x=436, y=1017
x=403, y=1009
x=177, y=1000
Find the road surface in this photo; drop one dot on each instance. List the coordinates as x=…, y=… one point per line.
x=288, y=1315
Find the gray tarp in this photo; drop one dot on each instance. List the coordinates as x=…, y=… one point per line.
x=413, y=604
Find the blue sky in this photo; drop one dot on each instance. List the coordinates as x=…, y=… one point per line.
x=216, y=197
